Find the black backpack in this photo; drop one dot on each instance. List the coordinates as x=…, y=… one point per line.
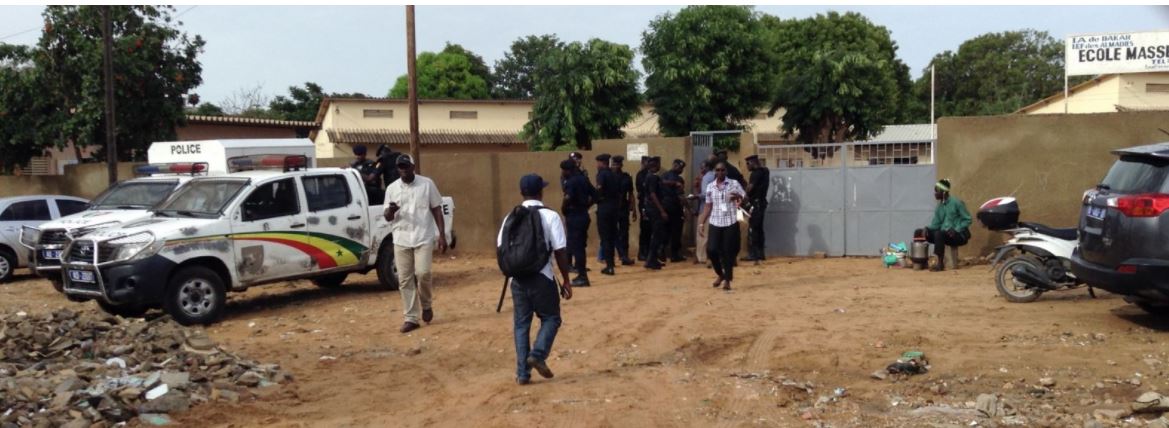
x=524, y=250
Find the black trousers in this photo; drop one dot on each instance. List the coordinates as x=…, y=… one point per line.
x=607, y=229
x=941, y=239
x=722, y=248
x=623, y=234
x=658, y=238
x=645, y=235
x=755, y=238
x=674, y=229
x=577, y=237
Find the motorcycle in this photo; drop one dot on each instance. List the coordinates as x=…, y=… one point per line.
x=1037, y=258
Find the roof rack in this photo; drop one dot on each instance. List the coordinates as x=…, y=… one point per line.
x=253, y=162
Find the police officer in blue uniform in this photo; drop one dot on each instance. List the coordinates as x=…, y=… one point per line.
x=645, y=226
x=579, y=195
x=673, y=188
x=608, y=195
x=655, y=212
x=625, y=208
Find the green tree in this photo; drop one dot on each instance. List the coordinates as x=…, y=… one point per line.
x=23, y=109
x=453, y=73
x=515, y=73
x=995, y=73
x=588, y=92
x=838, y=77
x=707, y=68
x=155, y=67
x=206, y=109
x=303, y=103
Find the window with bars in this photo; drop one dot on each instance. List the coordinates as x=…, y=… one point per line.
x=464, y=114
x=378, y=113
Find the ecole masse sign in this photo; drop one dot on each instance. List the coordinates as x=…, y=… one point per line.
x=1115, y=53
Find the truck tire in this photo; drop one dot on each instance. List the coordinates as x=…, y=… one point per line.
x=332, y=280
x=7, y=264
x=387, y=271
x=124, y=311
x=195, y=295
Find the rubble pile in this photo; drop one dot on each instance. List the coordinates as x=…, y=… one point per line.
x=91, y=369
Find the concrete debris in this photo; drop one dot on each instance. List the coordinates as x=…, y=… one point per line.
x=988, y=406
x=89, y=369
x=1047, y=382
x=1151, y=402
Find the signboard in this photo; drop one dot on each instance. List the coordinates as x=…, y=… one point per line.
x=1113, y=53
x=634, y=151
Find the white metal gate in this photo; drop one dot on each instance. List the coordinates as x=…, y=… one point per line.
x=847, y=198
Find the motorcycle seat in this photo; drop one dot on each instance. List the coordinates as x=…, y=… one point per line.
x=1064, y=234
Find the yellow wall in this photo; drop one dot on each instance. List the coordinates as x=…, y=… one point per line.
x=1134, y=92
x=1099, y=98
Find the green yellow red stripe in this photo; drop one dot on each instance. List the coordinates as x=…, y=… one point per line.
x=327, y=250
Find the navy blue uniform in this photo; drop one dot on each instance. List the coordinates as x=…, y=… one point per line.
x=579, y=194
x=608, y=193
x=672, y=201
x=624, y=189
x=760, y=181
x=658, y=235
x=645, y=225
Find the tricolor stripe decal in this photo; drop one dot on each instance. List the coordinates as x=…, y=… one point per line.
x=327, y=250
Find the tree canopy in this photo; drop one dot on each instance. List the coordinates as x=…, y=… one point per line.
x=708, y=68
x=155, y=67
x=515, y=73
x=454, y=73
x=838, y=77
x=995, y=73
x=586, y=91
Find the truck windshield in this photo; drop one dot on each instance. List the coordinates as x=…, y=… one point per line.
x=129, y=195
x=1138, y=174
x=202, y=198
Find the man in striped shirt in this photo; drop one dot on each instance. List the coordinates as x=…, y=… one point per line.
x=723, y=197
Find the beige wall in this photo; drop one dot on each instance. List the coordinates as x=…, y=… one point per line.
x=1134, y=92
x=83, y=180
x=1128, y=91
x=1047, y=161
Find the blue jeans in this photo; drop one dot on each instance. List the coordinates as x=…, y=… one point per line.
x=534, y=295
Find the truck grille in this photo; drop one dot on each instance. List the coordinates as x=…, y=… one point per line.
x=54, y=237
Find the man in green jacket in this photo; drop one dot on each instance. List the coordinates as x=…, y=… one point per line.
x=950, y=226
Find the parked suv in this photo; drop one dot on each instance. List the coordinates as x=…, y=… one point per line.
x=1124, y=229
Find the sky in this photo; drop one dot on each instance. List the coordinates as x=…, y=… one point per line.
x=363, y=48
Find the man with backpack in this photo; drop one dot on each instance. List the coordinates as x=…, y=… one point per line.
x=530, y=237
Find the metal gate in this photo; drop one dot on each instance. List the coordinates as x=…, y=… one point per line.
x=702, y=145
x=846, y=199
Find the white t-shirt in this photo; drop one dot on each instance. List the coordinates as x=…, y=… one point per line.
x=553, y=232
x=414, y=225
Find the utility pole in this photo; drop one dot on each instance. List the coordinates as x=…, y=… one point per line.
x=108, y=71
x=931, y=94
x=412, y=88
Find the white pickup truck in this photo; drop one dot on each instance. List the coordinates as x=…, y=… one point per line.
x=227, y=233
x=172, y=164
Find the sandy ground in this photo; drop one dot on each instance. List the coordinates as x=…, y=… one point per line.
x=665, y=349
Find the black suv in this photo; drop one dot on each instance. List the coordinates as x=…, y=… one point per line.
x=1124, y=229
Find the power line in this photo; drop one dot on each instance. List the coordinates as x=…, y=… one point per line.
x=17, y=34
x=185, y=11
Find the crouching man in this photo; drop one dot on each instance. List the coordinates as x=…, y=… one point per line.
x=530, y=237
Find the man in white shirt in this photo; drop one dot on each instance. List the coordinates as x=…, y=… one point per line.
x=723, y=197
x=414, y=208
x=537, y=293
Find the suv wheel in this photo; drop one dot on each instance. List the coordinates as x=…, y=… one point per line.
x=7, y=265
x=123, y=310
x=1012, y=289
x=195, y=295
x=387, y=271
x=332, y=280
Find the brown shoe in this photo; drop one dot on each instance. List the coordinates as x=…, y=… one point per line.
x=427, y=315
x=409, y=327
x=726, y=285
x=717, y=282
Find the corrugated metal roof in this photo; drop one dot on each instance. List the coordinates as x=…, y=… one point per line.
x=392, y=136
x=906, y=133
x=238, y=120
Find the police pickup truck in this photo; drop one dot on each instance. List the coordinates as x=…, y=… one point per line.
x=172, y=163
x=227, y=233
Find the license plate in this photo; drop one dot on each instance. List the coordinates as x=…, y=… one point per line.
x=81, y=276
x=1097, y=212
x=51, y=254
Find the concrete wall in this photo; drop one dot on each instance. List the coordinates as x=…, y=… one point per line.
x=1047, y=161
x=83, y=180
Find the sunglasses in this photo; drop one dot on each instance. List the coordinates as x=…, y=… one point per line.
x=720, y=170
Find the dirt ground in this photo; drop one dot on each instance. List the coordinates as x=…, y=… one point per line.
x=665, y=349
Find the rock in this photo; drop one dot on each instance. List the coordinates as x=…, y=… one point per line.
x=176, y=380
x=225, y=395
x=1160, y=422
x=1093, y=424
x=249, y=379
x=413, y=351
x=943, y=411
x=76, y=423
x=988, y=406
x=1047, y=382
x=172, y=402
x=880, y=375
x=1152, y=362
x=1151, y=402
x=130, y=393
x=61, y=401
x=1110, y=414
x=154, y=419
x=1014, y=420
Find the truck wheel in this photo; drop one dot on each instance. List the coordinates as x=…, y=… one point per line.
x=387, y=271
x=195, y=295
x=124, y=310
x=332, y=280
x=1013, y=290
x=7, y=265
